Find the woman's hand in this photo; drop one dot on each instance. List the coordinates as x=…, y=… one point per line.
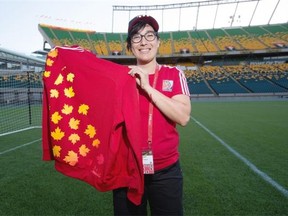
x=142, y=78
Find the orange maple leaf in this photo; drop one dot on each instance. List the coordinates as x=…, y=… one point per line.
x=56, y=151
x=70, y=77
x=67, y=109
x=55, y=118
x=73, y=123
x=57, y=134
x=83, y=150
x=90, y=131
x=96, y=143
x=49, y=62
x=71, y=158
x=83, y=109
x=59, y=79
x=54, y=93
x=69, y=92
x=46, y=74
x=74, y=138
x=53, y=53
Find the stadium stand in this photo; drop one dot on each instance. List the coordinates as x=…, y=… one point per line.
x=241, y=60
x=166, y=43
x=198, y=41
x=181, y=42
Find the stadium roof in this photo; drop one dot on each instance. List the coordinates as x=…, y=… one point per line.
x=207, y=14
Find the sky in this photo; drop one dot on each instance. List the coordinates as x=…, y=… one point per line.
x=19, y=19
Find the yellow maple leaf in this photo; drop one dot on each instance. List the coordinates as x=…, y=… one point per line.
x=49, y=62
x=69, y=92
x=54, y=93
x=55, y=118
x=74, y=138
x=96, y=143
x=59, y=79
x=83, y=109
x=70, y=77
x=83, y=150
x=73, y=123
x=56, y=151
x=71, y=158
x=57, y=134
x=67, y=109
x=46, y=74
x=53, y=53
x=90, y=131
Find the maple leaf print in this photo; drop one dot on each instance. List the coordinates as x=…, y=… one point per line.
x=59, y=79
x=57, y=134
x=67, y=109
x=70, y=77
x=83, y=109
x=69, y=92
x=96, y=143
x=54, y=93
x=55, y=118
x=74, y=138
x=83, y=150
x=53, y=53
x=90, y=131
x=100, y=159
x=49, y=62
x=73, y=123
x=46, y=74
x=71, y=158
x=56, y=151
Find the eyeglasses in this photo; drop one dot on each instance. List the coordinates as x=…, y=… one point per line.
x=149, y=36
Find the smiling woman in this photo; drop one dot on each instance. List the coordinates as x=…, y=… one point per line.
x=164, y=102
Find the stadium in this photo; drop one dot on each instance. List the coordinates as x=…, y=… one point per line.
x=234, y=150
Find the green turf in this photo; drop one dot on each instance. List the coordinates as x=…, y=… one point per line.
x=17, y=117
x=215, y=181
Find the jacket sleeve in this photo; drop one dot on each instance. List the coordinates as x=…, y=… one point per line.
x=132, y=121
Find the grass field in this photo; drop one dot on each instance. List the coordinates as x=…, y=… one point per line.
x=234, y=157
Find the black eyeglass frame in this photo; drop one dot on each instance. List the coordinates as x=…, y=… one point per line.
x=138, y=40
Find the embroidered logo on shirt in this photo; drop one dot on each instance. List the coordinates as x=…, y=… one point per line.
x=167, y=85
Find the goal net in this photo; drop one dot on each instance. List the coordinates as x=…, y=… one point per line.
x=20, y=101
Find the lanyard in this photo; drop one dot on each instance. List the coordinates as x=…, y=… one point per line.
x=150, y=117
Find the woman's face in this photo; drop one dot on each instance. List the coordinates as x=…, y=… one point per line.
x=145, y=51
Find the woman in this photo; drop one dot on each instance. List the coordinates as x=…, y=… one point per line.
x=164, y=102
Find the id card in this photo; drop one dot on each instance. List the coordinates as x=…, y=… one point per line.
x=148, y=164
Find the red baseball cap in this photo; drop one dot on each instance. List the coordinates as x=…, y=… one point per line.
x=143, y=18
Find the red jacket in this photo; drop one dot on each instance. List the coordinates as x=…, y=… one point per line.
x=91, y=121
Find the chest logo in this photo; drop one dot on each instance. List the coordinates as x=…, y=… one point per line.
x=167, y=85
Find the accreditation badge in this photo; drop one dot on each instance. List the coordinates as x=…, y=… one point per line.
x=148, y=164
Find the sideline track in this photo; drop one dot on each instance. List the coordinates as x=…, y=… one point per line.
x=262, y=174
x=17, y=147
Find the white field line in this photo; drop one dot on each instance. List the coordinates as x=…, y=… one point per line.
x=262, y=174
x=17, y=131
x=21, y=146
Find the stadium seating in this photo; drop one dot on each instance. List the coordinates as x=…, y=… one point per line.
x=209, y=79
x=115, y=43
x=223, y=40
x=235, y=79
x=248, y=42
x=173, y=43
x=181, y=40
x=166, y=43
